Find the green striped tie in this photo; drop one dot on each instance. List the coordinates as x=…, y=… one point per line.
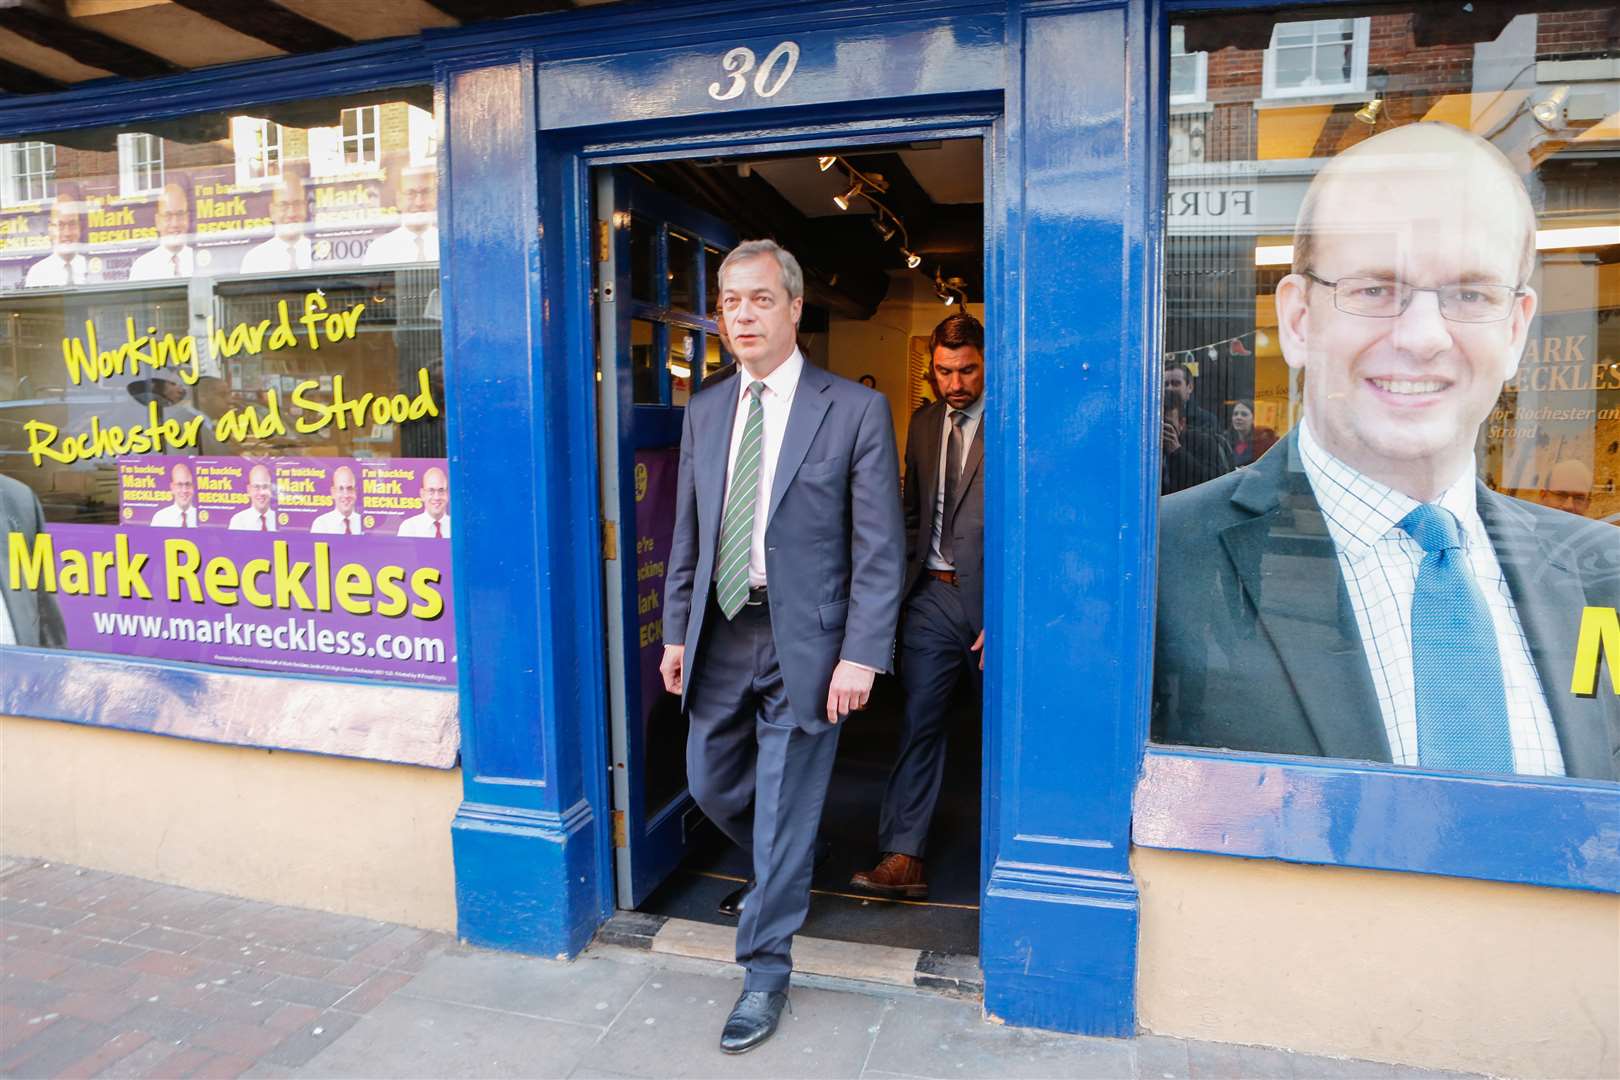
x=737, y=526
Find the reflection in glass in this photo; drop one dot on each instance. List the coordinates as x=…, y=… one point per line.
x=683, y=253
x=683, y=353
x=643, y=260
x=644, y=363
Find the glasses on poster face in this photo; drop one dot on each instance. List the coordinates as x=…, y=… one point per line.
x=1383, y=298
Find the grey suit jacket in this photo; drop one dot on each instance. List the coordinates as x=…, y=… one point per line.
x=832, y=539
x=1258, y=647
x=921, y=491
x=35, y=618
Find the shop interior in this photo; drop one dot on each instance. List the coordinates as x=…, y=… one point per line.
x=891, y=239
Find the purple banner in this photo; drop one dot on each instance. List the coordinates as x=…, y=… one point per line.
x=655, y=528
x=377, y=607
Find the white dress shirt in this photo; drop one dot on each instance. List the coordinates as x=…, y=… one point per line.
x=1379, y=561
x=331, y=522
x=248, y=520
x=170, y=517
x=401, y=245
x=422, y=525
x=970, y=428
x=777, y=401
x=53, y=272
x=159, y=263
x=277, y=255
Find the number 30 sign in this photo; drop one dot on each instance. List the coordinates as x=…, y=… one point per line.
x=768, y=81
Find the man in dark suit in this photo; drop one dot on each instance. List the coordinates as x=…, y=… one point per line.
x=1357, y=592
x=942, y=625
x=29, y=616
x=780, y=604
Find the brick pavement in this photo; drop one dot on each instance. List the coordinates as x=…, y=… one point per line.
x=111, y=976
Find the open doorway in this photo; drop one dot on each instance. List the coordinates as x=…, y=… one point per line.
x=891, y=239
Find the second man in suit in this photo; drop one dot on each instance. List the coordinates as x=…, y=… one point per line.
x=942, y=626
x=780, y=603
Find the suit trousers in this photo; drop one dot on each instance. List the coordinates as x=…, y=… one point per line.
x=936, y=642
x=760, y=778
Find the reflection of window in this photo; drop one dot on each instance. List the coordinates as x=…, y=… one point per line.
x=27, y=172
x=257, y=145
x=1188, y=71
x=140, y=163
x=423, y=136
x=359, y=138
x=1324, y=56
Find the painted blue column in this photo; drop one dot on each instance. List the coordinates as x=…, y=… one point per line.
x=529, y=871
x=1069, y=545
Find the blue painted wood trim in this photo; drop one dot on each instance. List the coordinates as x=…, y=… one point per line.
x=232, y=707
x=1067, y=526
x=1558, y=833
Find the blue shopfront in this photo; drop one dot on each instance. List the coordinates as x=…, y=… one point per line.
x=1124, y=218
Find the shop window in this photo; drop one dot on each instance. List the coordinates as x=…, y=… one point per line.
x=1321, y=56
x=27, y=172
x=1189, y=72
x=258, y=146
x=228, y=366
x=140, y=163
x=1390, y=453
x=350, y=146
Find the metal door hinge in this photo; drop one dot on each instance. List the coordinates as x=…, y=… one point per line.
x=620, y=839
x=604, y=241
x=610, y=540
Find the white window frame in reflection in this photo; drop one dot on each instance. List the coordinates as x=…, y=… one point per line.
x=258, y=146
x=19, y=176
x=1199, y=63
x=1360, y=31
x=140, y=163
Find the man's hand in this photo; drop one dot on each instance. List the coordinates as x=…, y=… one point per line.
x=850, y=689
x=1169, y=437
x=671, y=667
x=978, y=647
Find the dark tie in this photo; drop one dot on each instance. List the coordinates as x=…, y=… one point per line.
x=346, y=530
x=437, y=531
x=1462, y=720
x=953, y=471
x=176, y=262
x=263, y=526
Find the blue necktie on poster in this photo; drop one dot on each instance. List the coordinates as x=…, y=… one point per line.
x=1462, y=718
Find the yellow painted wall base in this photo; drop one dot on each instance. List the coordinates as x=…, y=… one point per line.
x=339, y=835
x=1405, y=968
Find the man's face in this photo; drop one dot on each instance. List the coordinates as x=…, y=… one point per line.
x=343, y=491
x=182, y=487
x=1401, y=399
x=418, y=199
x=435, y=493
x=173, y=217
x=172, y=391
x=287, y=211
x=259, y=488
x=1177, y=385
x=63, y=228
x=761, y=320
x=959, y=375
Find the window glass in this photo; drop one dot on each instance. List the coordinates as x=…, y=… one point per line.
x=683, y=355
x=683, y=271
x=643, y=260
x=1390, y=449
x=223, y=370
x=644, y=362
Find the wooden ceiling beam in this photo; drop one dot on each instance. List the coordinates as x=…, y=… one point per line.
x=16, y=79
x=270, y=23
x=46, y=22
x=471, y=11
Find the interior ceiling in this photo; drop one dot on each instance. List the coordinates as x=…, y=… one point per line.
x=47, y=45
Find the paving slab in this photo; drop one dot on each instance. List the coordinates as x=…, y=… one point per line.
x=935, y=1038
x=671, y=1028
x=589, y=991
x=418, y=1037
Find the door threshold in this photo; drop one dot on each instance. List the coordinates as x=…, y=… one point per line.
x=886, y=965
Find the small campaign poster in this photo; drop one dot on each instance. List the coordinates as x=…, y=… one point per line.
x=406, y=497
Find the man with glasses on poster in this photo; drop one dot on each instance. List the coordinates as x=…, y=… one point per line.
x=1358, y=592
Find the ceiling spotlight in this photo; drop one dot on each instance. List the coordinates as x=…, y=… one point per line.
x=1368, y=113
x=913, y=260
x=883, y=228
x=826, y=161
x=843, y=201
x=1549, y=111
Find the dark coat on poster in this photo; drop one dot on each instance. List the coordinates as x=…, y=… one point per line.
x=832, y=540
x=35, y=618
x=1258, y=647
x=923, y=441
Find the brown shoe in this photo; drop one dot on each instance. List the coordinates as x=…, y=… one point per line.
x=895, y=877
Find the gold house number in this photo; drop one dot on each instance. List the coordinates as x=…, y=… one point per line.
x=772, y=75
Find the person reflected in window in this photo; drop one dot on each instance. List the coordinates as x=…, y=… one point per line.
x=1178, y=385
x=174, y=257
x=28, y=616
x=181, y=513
x=343, y=519
x=66, y=264
x=1358, y=592
x=416, y=239
x=1247, y=441
x=1188, y=455
x=942, y=617
x=289, y=249
x=1569, y=486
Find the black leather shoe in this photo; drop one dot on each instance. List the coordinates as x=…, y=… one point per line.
x=734, y=900
x=753, y=1020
